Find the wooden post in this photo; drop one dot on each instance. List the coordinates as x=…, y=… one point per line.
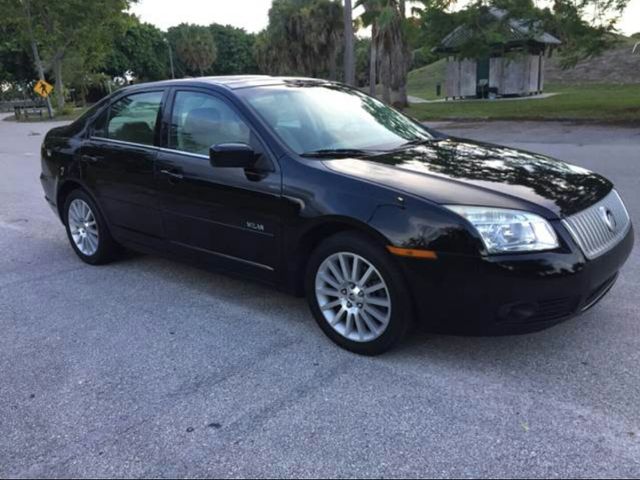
x=540, y=72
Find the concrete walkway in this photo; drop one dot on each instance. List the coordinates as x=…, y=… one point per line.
x=418, y=100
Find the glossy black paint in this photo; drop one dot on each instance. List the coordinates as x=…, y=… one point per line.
x=458, y=171
x=263, y=221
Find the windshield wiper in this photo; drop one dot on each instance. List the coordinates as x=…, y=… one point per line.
x=339, y=152
x=416, y=142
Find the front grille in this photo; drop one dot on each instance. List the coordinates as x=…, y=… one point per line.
x=600, y=227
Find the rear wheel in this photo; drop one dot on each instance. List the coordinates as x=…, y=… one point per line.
x=87, y=230
x=357, y=294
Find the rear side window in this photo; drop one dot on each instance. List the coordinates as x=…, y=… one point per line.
x=131, y=119
x=200, y=120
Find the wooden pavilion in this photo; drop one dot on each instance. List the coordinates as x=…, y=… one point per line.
x=514, y=67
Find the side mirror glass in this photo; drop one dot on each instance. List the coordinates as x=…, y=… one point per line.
x=232, y=155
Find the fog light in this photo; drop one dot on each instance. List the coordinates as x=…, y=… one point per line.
x=517, y=311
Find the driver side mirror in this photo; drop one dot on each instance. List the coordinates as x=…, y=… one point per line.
x=233, y=155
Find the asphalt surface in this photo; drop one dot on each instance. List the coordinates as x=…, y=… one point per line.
x=148, y=367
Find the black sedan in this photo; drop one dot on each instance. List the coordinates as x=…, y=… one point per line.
x=323, y=191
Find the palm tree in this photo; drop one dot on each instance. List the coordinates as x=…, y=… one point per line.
x=349, y=63
x=323, y=36
x=303, y=37
x=389, y=49
x=196, y=48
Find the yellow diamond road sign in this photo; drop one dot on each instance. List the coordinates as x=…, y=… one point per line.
x=43, y=88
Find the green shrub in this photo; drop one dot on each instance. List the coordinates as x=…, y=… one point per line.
x=66, y=111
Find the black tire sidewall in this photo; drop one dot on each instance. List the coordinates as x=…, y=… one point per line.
x=379, y=258
x=104, y=253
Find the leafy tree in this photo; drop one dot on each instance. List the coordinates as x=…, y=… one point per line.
x=583, y=34
x=235, y=50
x=16, y=65
x=195, y=48
x=436, y=21
x=585, y=27
x=56, y=31
x=141, y=52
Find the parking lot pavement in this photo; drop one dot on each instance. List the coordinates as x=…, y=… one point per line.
x=148, y=367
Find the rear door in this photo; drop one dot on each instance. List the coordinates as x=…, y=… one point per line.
x=230, y=217
x=118, y=164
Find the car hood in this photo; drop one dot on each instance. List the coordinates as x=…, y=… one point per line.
x=457, y=171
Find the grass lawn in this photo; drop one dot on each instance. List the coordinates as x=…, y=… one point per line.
x=601, y=103
x=422, y=81
x=589, y=102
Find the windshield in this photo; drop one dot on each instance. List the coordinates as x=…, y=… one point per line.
x=326, y=119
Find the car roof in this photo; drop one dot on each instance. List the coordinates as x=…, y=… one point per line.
x=232, y=82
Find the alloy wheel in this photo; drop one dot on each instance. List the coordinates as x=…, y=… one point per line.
x=353, y=297
x=83, y=227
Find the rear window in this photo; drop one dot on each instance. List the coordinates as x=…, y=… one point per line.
x=131, y=119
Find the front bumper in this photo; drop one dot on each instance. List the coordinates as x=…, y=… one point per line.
x=510, y=294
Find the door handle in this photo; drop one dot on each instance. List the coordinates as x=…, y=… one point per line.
x=91, y=158
x=172, y=174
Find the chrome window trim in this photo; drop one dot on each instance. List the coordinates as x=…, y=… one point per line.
x=153, y=147
x=183, y=152
x=123, y=142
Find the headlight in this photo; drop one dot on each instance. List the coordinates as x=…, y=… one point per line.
x=504, y=231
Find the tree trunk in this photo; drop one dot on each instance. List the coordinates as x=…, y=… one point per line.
x=399, y=62
x=57, y=72
x=385, y=72
x=373, y=63
x=349, y=62
x=333, y=65
x=36, y=54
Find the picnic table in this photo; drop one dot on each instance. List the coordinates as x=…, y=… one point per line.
x=25, y=111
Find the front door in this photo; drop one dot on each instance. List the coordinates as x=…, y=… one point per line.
x=118, y=165
x=483, y=76
x=229, y=217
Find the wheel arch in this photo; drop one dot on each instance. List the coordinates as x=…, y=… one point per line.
x=315, y=234
x=68, y=186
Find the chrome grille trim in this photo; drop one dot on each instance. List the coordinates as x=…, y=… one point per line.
x=590, y=230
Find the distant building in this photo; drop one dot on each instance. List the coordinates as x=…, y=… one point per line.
x=515, y=67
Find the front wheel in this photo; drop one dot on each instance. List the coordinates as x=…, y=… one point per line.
x=357, y=294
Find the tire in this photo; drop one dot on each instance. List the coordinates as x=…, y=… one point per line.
x=333, y=296
x=94, y=250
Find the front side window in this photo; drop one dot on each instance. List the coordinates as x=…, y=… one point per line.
x=131, y=119
x=200, y=121
x=316, y=117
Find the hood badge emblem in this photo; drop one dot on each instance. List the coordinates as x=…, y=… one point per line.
x=609, y=218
